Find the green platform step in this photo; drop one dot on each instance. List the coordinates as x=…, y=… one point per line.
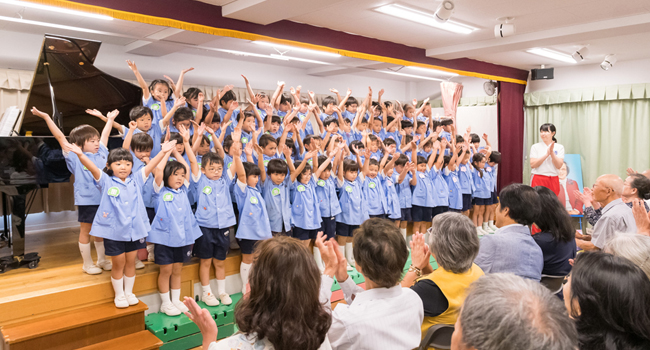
x=356, y=276
x=408, y=263
x=196, y=339
x=169, y=328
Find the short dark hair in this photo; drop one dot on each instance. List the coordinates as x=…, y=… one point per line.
x=351, y=101
x=373, y=161
x=446, y=121
x=153, y=84
x=459, y=139
x=174, y=136
x=116, y=155
x=245, y=115
x=401, y=160
x=522, y=202
x=553, y=217
x=327, y=100
x=251, y=169
x=227, y=142
x=329, y=120
x=474, y=138
x=138, y=112
x=211, y=158
x=170, y=168
x=388, y=141
x=275, y=119
x=381, y=251
x=642, y=185
x=286, y=98
x=406, y=124
x=613, y=295
x=477, y=158
x=82, y=133
x=277, y=166
x=549, y=128
x=322, y=160
x=266, y=139
x=204, y=140
x=304, y=100
x=227, y=97
x=350, y=165
x=191, y=93
x=308, y=139
x=183, y=114
x=358, y=144
x=495, y=157
x=422, y=160
x=141, y=142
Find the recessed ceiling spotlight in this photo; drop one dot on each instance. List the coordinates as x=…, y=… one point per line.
x=444, y=11
x=608, y=62
x=504, y=29
x=580, y=54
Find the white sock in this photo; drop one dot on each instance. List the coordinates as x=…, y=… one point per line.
x=484, y=227
x=99, y=247
x=403, y=232
x=221, y=287
x=243, y=272
x=348, y=252
x=176, y=295
x=84, y=248
x=317, y=257
x=118, y=287
x=206, y=289
x=128, y=284
x=165, y=298
x=342, y=249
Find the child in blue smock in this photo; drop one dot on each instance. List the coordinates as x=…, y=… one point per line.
x=482, y=193
x=215, y=216
x=305, y=210
x=372, y=188
x=441, y=194
x=354, y=210
x=451, y=175
x=328, y=202
x=403, y=186
x=174, y=229
x=275, y=191
x=121, y=218
x=387, y=169
x=491, y=169
x=465, y=178
x=86, y=194
x=422, y=200
x=254, y=223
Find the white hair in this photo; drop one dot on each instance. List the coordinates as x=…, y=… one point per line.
x=632, y=246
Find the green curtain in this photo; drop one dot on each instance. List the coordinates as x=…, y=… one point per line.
x=610, y=135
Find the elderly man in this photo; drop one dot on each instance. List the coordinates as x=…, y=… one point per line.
x=616, y=215
x=506, y=312
x=512, y=248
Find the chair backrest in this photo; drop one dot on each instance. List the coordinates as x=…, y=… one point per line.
x=553, y=283
x=438, y=336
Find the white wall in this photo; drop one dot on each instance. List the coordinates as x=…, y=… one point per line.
x=589, y=75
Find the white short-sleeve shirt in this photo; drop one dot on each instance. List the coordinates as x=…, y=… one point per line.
x=547, y=168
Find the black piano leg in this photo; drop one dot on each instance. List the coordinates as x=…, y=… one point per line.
x=15, y=228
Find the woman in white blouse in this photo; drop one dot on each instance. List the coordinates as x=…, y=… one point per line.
x=546, y=159
x=282, y=309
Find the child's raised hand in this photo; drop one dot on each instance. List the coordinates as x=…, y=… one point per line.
x=381, y=92
x=414, y=102
x=133, y=125
x=236, y=149
x=236, y=135
x=172, y=85
x=485, y=137
x=311, y=154
x=167, y=134
x=187, y=70
x=201, y=129
x=258, y=149
x=132, y=65
x=425, y=101
x=349, y=92
x=312, y=106
x=184, y=133
x=168, y=146
x=245, y=79
x=226, y=125
x=630, y=171
x=292, y=90
x=334, y=91
x=234, y=105
x=286, y=151
x=112, y=114
x=249, y=149
x=280, y=83
x=71, y=147
x=227, y=88
x=39, y=114
x=94, y=113
x=367, y=153
x=179, y=102
x=369, y=90
x=209, y=129
x=200, y=98
x=312, y=95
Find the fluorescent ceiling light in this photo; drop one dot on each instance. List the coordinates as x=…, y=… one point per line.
x=291, y=58
x=552, y=54
x=56, y=9
x=410, y=75
x=434, y=71
x=58, y=26
x=299, y=49
x=271, y=56
x=425, y=18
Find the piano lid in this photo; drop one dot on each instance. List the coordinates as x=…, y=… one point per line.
x=65, y=67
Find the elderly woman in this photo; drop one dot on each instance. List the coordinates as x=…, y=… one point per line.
x=454, y=244
x=633, y=247
x=608, y=297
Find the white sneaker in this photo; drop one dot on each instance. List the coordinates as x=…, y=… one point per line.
x=150, y=256
x=121, y=302
x=493, y=227
x=480, y=232
x=225, y=299
x=169, y=309
x=105, y=265
x=92, y=269
x=138, y=264
x=180, y=306
x=132, y=299
x=350, y=268
x=209, y=299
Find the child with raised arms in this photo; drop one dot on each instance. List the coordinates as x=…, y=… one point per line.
x=465, y=179
x=422, y=200
x=491, y=169
x=305, y=210
x=174, y=229
x=451, y=175
x=389, y=180
x=482, y=194
x=121, y=218
x=403, y=188
x=441, y=194
x=275, y=187
x=86, y=195
x=372, y=188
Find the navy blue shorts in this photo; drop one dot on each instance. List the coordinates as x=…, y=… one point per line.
x=303, y=234
x=421, y=214
x=165, y=255
x=380, y=216
x=213, y=244
x=87, y=213
x=284, y=232
x=247, y=246
x=439, y=210
x=115, y=248
x=467, y=202
x=328, y=226
x=345, y=230
x=406, y=215
x=481, y=201
x=151, y=214
x=495, y=198
x=455, y=210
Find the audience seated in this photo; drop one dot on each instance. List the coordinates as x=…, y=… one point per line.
x=557, y=236
x=511, y=248
x=616, y=216
x=282, y=309
x=385, y=315
x=608, y=297
x=635, y=248
x=507, y=312
x=454, y=244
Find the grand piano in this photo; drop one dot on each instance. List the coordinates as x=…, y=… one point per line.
x=65, y=84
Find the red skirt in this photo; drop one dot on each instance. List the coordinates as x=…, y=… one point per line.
x=550, y=182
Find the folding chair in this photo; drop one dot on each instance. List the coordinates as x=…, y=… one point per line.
x=438, y=337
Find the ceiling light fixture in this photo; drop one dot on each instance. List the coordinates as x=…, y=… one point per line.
x=425, y=18
x=56, y=9
x=443, y=13
x=608, y=62
x=271, y=56
x=410, y=75
x=552, y=54
x=291, y=58
x=293, y=48
x=580, y=54
x=434, y=71
x=59, y=26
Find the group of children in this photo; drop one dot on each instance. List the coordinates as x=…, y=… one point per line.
x=192, y=173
